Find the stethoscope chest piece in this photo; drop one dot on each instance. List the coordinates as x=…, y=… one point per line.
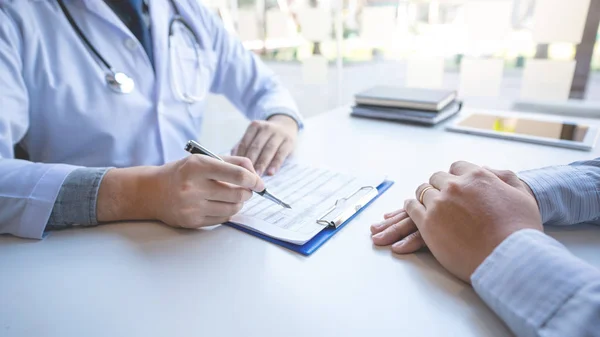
x=120, y=82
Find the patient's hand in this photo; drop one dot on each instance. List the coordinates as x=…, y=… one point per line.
x=468, y=213
x=398, y=230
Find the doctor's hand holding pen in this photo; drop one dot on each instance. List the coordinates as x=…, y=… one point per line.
x=193, y=192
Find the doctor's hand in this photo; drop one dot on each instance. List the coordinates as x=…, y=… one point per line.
x=268, y=143
x=467, y=212
x=193, y=192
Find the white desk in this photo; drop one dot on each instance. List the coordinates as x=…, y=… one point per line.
x=141, y=279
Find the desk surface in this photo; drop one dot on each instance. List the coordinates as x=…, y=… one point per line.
x=145, y=279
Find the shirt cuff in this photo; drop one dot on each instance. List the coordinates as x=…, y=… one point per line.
x=286, y=112
x=528, y=277
x=41, y=201
x=77, y=199
x=565, y=194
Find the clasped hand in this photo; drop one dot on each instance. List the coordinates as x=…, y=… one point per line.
x=461, y=216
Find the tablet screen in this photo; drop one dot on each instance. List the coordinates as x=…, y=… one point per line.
x=526, y=126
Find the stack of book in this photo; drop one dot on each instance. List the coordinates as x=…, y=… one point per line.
x=423, y=106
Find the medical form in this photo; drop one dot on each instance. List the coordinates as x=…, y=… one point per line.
x=310, y=191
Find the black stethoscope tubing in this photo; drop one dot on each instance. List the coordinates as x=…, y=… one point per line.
x=176, y=18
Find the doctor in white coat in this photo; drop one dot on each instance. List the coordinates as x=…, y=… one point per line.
x=103, y=96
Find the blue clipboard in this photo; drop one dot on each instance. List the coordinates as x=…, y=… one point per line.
x=318, y=240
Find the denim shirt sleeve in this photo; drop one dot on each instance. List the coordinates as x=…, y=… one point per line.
x=75, y=204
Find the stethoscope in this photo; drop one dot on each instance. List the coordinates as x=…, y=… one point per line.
x=121, y=83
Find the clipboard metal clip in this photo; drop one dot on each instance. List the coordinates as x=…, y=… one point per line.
x=346, y=207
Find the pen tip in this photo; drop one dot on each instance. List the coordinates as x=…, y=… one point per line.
x=286, y=205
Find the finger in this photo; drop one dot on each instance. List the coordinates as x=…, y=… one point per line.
x=415, y=210
x=225, y=192
x=257, y=145
x=460, y=168
x=234, y=151
x=222, y=209
x=240, y=161
x=268, y=153
x=426, y=192
x=395, y=232
x=378, y=227
x=429, y=197
x=230, y=173
x=245, y=142
x=394, y=213
x=284, y=151
x=409, y=244
x=440, y=180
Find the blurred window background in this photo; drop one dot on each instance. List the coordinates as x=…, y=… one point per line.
x=493, y=52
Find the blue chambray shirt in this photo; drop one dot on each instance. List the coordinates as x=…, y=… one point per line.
x=54, y=100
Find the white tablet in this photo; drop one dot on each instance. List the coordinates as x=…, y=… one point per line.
x=527, y=128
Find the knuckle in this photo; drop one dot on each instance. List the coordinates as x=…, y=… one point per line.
x=396, y=227
x=245, y=161
x=261, y=125
x=270, y=147
x=255, y=124
x=453, y=187
x=254, y=148
x=507, y=174
x=436, y=200
x=479, y=173
x=193, y=160
x=239, y=176
x=415, y=236
x=199, y=161
x=240, y=195
x=436, y=176
x=456, y=165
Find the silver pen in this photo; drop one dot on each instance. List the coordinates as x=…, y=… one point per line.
x=195, y=148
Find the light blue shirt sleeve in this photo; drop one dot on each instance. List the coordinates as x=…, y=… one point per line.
x=538, y=288
x=244, y=79
x=567, y=195
x=533, y=282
